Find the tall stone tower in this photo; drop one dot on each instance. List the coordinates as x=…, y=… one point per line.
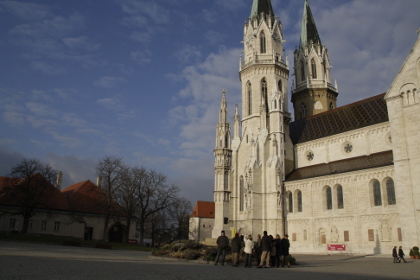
x=312, y=90
x=258, y=148
x=222, y=168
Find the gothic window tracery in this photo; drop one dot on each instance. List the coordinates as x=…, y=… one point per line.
x=290, y=201
x=390, y=190
x=340, y=198
x=262, y=42
x=313, y=68
x=377, y=199
x=249, y=98
x=299, y=201
x=303, y=110
x=302, y=71
x=328, y=195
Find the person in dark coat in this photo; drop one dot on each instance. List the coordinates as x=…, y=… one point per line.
x=278, y=250
x=395, y=255
x=258, y=250
x=222, y=244
x=401, y=254
x=285, y=245
x=236, y=248
x=266, y=249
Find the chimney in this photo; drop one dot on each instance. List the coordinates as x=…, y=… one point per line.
x=59, y=180
x=99, y=181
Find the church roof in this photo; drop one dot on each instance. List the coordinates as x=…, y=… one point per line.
x=309, y=33
x=203, y=209
x=342, y=166
x=366, y=112
x=261, y=6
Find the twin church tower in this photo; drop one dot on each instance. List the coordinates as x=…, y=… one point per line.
x=251, y=164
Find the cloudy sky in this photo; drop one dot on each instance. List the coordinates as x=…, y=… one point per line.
x=83, y=79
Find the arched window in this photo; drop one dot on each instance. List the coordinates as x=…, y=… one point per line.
x=262, y=42
x=241, y=194
x=275, y=104
x=249, y=97
x=302, y=71
x=390, y=191
x=340, y=199
x=280, y=86
x=377, y=199
x=290, y=200
x=313, y=68
x=303, y=110
x=331, y=106
x=264, y=94
x=299, y=201
x=328, y=198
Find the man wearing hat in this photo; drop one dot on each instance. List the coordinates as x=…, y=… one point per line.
x=222, y=244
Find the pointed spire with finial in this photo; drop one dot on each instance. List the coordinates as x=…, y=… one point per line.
x=309, y=34
x=262, y=7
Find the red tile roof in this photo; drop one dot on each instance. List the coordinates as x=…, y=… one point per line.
x=203, y=209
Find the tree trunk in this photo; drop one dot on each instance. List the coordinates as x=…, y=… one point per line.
x=105, y=228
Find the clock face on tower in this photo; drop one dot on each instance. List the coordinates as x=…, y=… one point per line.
x=249, y=39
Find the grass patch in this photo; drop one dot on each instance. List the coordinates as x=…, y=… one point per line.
x=70, y=241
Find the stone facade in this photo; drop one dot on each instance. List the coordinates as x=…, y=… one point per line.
x=335, y=176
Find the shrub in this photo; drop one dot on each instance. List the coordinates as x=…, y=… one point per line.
x=177, y=247
x=193, y=245
x=159, y=252
x=191, y=254
x=210, y=253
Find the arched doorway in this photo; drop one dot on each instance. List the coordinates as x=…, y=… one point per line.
x=116, y=233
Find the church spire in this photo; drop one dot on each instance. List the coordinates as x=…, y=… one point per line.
x=309, y=33
x=260, y=7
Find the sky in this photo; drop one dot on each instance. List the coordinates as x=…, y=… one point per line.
x=142, y=80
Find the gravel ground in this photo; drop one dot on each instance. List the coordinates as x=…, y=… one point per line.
x=30, y=261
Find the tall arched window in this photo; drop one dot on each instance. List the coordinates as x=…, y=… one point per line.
x=331, y=106
x=299, y=201
x=313, y=68
x=262, y=42
x=290, y=200
x=264, y=93
x=377, y=199
x=340, y=199
x=241, y=194
x=280, y=86
x=390, y=191
x=328, y=198
x=249, y=97
x=302, y=71
x=303, y=110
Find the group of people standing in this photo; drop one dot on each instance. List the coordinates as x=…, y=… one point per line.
x=268, y=251
x=398, y=256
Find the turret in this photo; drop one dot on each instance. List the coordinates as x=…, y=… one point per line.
x=312, y=92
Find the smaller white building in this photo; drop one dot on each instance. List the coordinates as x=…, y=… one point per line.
x=202, y=221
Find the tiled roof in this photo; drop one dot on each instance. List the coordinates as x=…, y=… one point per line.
x=342, y=166
x=85, y=197
x=353, y=116
x=51, y=197
x=203, y=209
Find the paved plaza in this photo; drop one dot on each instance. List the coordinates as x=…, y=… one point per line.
x=19, y=260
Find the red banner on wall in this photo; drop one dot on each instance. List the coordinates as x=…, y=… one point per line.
x=336, y=247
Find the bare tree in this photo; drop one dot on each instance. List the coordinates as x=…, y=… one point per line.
x=113, y=172
x=27, y=189
x=128, y=200
x=180, y=211
x=153, y=195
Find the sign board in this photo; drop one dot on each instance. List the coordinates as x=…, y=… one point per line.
x=336, y=247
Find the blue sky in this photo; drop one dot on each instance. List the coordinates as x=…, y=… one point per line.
x=142, y=80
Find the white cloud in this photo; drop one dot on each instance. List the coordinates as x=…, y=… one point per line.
x=109, y=81
x=81, y=42
x=141, y=57
x=25, y=10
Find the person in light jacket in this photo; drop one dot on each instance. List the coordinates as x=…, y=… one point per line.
x=249, y=247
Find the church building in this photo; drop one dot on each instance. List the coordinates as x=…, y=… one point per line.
x=331, y=178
